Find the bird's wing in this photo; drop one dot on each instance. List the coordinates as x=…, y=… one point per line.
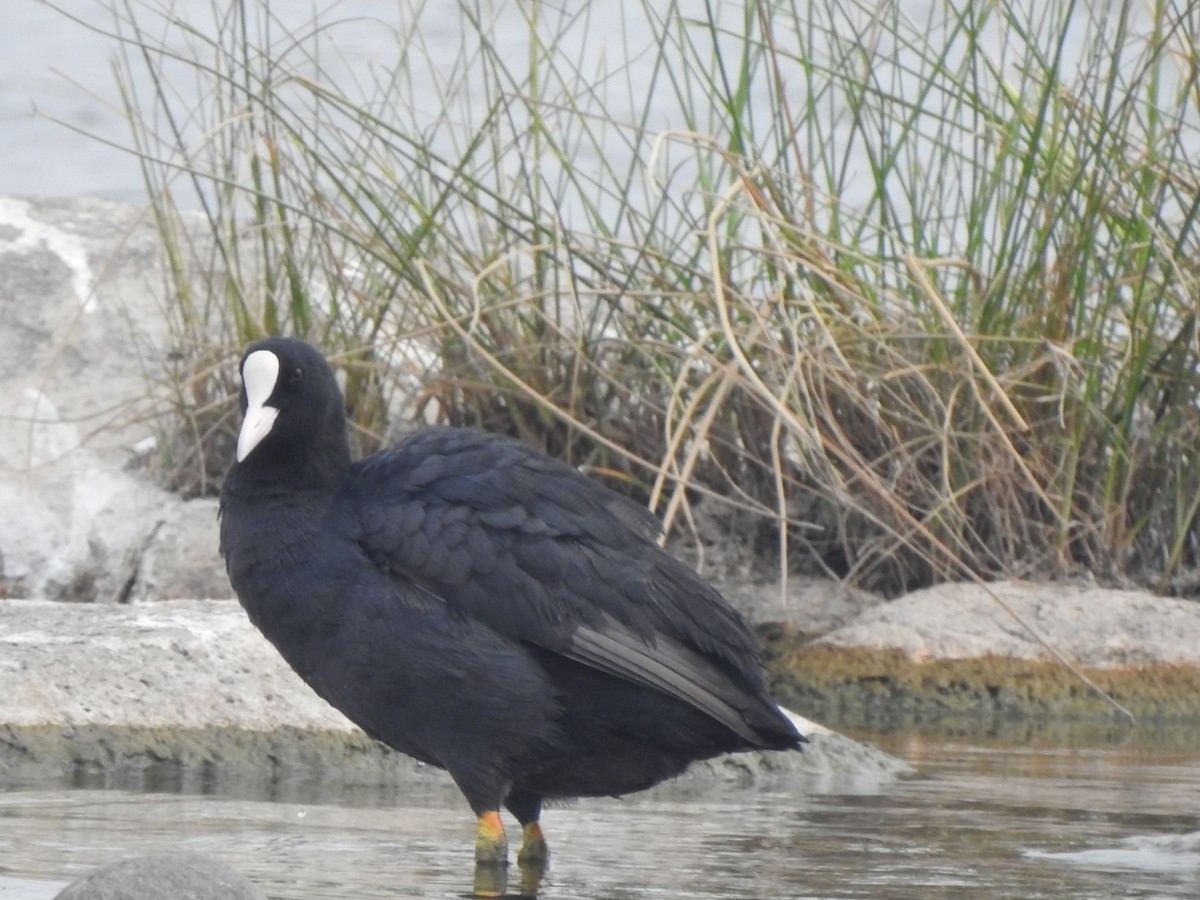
x=667, y=665
x=544, y=555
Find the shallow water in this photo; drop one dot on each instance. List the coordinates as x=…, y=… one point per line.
x=1116, y=816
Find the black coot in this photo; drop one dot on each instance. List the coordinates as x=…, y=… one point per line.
x=480, y=606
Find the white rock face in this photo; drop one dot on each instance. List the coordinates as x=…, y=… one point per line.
x=83, y=344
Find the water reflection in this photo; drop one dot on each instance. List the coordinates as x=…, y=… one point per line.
x=987, y=818
x=494, y=881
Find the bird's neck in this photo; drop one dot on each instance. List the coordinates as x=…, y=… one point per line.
x=317, y=466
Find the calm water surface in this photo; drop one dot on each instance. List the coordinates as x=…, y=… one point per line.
x=1117, y=816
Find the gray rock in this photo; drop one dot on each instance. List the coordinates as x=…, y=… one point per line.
x=82, y=354
x=1090, y=626
x=193, y=682
x=177, y=876
x=181, y=558
x=184, y=664
x=812, y=606
x=830, y=761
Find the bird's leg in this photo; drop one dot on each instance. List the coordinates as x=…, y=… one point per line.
x=527, y=807
x=534, y=851
x=491, y=847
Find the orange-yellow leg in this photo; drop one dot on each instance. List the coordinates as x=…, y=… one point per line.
x=534, y=851
x=491, y=847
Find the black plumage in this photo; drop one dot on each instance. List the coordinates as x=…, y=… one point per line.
x=480, y=606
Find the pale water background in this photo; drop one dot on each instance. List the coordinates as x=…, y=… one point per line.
x=60, y=108
x=53, y=69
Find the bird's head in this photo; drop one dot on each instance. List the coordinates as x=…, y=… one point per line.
x=290, y=402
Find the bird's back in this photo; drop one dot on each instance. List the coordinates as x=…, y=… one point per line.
x=555, y=562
